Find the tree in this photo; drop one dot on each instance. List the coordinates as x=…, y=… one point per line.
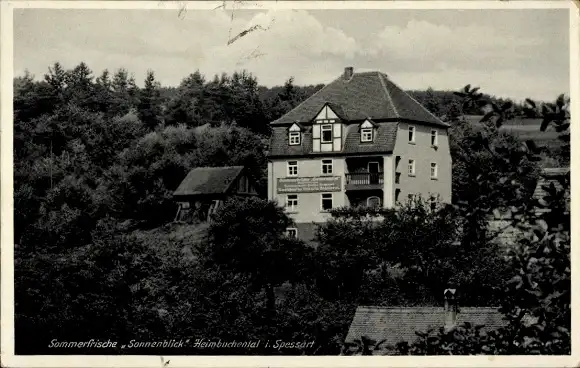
x=57, y=80
x=247, y=236
x=103, y=93
x=187, y=106
x=407, y=257
x=510, y=175
x=80, y=88
x=431, y=102
x=557, y=115
x=536, y=299
x=124, y=93
x=470, y=97
x=245, y=107
x=149, y=108
x=536, y=295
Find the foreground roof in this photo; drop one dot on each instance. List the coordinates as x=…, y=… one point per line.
x=208, y=180
x=397, y=324
x=366, y=94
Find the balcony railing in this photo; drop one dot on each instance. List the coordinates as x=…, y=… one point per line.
x=362, y=180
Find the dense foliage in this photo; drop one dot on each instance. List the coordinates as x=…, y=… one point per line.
x=535, y=295
x=96, y=254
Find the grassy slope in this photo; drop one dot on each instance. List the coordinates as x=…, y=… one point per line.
x=174, y=237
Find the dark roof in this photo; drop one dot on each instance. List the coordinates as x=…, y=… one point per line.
x=208, y=180
x=383, y=142
x=396, y=324
x=365, y=95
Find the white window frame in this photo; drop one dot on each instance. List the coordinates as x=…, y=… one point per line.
x=290, y=230
x=294, y=206
x=322, y=198
x=322, y=130
x=411, y=167
x=434, y=138
x=412, y=133
x=294, y=139
x=292, y=168
x=366, y=135
x=434, y=170
x=325, y=164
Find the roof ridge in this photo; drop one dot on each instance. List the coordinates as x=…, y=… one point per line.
x=218, y=167
x=424, y=307
x=396, y=307
x=420, y=104
x=386, y=90
x=306, y=99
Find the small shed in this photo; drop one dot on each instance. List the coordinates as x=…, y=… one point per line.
x=204, y=189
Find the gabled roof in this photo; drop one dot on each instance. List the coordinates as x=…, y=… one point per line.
x=368, y=122
x=292, y=127
x=365, y=94
x=208, y=180
x=397, y=324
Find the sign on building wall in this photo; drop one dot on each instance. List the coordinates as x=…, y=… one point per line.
x=310, y=185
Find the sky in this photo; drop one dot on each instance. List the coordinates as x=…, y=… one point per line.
x=508, y=53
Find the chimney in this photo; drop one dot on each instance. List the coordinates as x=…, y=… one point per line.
x=348, y=72
x=450, y=308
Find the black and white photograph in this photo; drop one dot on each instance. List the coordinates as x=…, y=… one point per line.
x=288, y=179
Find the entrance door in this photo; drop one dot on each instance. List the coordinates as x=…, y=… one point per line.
x=373, y=172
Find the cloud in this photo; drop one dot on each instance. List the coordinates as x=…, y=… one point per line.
x=503, y=54
x=285, y=43
x=421, y=44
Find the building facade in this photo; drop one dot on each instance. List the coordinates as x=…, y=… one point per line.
x=359, y=141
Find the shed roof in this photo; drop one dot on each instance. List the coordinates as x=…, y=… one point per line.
x=208, y=180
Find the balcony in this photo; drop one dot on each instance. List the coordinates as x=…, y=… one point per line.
x=364, y=181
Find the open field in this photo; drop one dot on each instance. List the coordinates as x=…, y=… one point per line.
x=527, y=129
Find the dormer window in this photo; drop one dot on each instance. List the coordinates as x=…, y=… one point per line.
x=366, y=135
x=366, y=131
x=294, y=135
x=294, y=138
x=327, y=131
